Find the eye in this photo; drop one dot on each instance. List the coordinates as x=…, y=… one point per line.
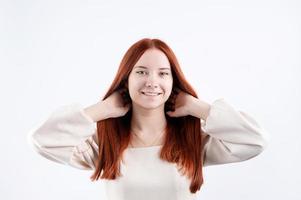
x=140, y=72
x=164, y=73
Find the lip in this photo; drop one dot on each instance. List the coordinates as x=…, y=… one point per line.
x=151, y=93
x=145, y=91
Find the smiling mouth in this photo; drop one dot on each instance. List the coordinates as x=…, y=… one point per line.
x=151, y=93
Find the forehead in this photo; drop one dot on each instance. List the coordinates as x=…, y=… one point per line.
x=153, y=59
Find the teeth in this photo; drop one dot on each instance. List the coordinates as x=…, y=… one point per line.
x=150, y=94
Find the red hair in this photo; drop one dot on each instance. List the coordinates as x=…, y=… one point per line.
x=183, y=142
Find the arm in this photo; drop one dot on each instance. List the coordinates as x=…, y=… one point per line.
x=68, y=136
x=233, y=136
x=97, y=112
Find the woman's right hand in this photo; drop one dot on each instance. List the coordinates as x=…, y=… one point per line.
x=114, y=105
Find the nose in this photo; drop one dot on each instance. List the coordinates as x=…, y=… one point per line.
x=151, y=81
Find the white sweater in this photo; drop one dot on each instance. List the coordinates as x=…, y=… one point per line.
x=68, y=136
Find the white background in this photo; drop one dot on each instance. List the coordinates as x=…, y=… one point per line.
x=54, y=53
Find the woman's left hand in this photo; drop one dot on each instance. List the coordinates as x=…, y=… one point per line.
x=183, y=105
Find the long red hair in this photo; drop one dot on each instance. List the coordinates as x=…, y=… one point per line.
x=183, y=143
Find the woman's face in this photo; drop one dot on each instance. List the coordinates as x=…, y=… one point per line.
x=150, y=81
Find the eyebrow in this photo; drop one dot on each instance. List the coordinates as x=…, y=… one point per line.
x=161, y=68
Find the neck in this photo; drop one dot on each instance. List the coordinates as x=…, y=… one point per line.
x=148, y=121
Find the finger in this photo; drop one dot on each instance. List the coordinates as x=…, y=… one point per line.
x=127, y=107
x=172, y=114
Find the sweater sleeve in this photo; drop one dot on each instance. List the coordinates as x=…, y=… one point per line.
x=68, y=136
x=232, y=135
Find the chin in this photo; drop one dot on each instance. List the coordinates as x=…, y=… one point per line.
x=150, y=105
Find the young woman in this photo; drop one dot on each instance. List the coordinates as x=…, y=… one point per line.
x=150, y=135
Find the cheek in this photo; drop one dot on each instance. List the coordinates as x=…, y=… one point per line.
x=133, y=87
x=133, y=84
x=169, y=85
x=168, y=89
